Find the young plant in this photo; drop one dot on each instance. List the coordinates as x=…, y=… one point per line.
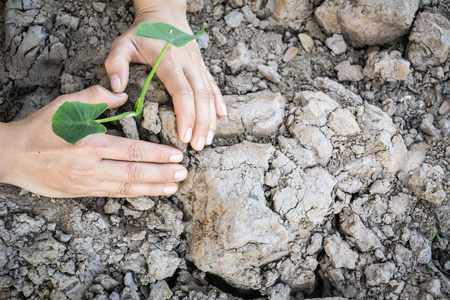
x=74, y=121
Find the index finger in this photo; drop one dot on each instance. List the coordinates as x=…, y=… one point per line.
x=124, y=149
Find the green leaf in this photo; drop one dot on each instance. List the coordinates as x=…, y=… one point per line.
x=166, y=32
x=76, y=120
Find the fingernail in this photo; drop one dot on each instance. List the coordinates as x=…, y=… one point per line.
x=115, y=82
x=176, y=158
x=210, y=137
x=200, y=143
x=170, y=189
x=224, y=109
x=180, y=175
x=188, y=135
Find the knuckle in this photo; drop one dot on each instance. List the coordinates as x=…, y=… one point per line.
x=96, y=92
x=135, y=172
x=135, y=152
x=124, y=188
x=204, y=94
x=185, y=92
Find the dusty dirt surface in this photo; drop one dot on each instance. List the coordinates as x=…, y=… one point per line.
x=329, y=178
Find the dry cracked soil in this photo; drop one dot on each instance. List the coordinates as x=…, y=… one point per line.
x=328, y=179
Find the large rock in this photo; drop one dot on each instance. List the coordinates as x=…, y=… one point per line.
x=229, y=235
x=291, y=13
x=259, y=114
x=387, y=66
x=319, y=123
x=429, y=41
x=367, y=22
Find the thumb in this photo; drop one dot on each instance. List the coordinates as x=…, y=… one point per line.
x=98, y=94
x=117, y=65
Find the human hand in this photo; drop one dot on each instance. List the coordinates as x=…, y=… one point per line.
x=34, y=158
x=196, y=97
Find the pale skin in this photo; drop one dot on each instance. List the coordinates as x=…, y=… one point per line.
x=34, y=158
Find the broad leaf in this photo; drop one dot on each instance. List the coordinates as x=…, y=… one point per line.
x=166, y=32
x=76, y=120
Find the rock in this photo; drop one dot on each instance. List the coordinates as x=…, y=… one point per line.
x=365, y=239
x=129, y=282
x=349, y=72
x=432, y=287
x=234, y=19
x=279, y=292
x=259, y=114
x=195, y=5
x=203, y=41
x=445, y=108
x=290, y=54
x=162, y=265
x=291, y=13
x=107, y=282
x=151, y=122
x=169, y=132
x=367, y=22
x=307, y=42
x=67, y=20
x=429, y=41
x=312, y=137
x=386, y=66
x=315, y=245
x=230, y=215
x=270, y=72
x=239, y=58
x=43, y=251
x=160, y=291
x=339, y=252
x=380, y=187
x=71, y=84
x=311, y=202
x=99, y=6
x=336, y=44
x=112, y=207
x=420, y=247
x=142, y=203
x=129, y=128
x=343, y=122
x=250, y=17
x=399, y=205
x=427, y=125
x=378, y=274
x=219, y=37
x=336, y=91
x=427, y=183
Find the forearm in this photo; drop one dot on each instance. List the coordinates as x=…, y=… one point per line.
x=4, y=150
x=143, y=6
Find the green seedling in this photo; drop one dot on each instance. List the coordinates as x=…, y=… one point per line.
x=436, y=235
x=74, y=121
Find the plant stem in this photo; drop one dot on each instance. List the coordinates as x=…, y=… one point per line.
x=140, y=102
x=118, y=117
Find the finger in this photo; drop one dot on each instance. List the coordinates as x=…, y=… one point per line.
x=183, y=99
x=212, y=123
x=140, y=172
x=203, y=96
x=127, y=190
x=117, y=63
x=94, y=95
x=124, y=149
x=221, y=108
